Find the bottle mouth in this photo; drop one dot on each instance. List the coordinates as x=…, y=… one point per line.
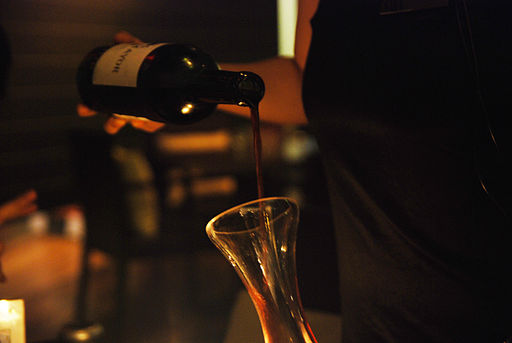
x=251, y=88
x=242, y=88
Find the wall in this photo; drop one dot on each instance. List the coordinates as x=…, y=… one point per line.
x=48, y=39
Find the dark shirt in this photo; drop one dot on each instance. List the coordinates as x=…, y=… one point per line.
x=393, y=101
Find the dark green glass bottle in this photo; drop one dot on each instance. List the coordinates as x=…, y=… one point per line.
x=173, y=83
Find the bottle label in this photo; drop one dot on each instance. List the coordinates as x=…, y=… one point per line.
x=119, y=65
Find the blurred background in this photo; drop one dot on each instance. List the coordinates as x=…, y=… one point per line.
x=119, y=235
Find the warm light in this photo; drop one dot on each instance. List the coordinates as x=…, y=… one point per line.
x=188, y=62
x=213, y=186
x=7, y=313
x=82, y=335
x=38, y=223
x=12, y=321
x=286, y=22
x=195, y=142
x=129, y=117
x=187, y=108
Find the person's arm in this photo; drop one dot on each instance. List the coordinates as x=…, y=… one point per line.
x=282, y=102
x=18, y=207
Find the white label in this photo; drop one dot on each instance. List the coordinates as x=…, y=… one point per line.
x=119, y=65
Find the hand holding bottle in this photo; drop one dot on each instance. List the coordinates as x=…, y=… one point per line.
x=115, y=122
x=152, y=84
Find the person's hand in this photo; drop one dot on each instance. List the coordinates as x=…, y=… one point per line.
x=117, y=121
x=18, y=207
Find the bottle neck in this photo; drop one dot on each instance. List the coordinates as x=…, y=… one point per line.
x=228, y=87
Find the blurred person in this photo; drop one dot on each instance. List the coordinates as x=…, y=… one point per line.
x=407, y=100
x=20, y=206
x=5, y=61
x=23, y=204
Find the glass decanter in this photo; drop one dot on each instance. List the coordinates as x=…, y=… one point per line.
x=258, y=238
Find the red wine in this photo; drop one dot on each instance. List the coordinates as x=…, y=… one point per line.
x=256, y=133
x=163, y=82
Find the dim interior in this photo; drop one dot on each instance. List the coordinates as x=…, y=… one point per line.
x=138, y=203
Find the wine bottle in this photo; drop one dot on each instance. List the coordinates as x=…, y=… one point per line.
x=164, y=82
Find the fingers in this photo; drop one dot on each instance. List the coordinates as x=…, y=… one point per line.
x=147, y=125
x=116, y=123
x=126, y=37
x=27, y=203
x=28, y=196
x=140, y=123
x=24, y=204
x=84, y=111
x=113, y=125
x=19, y=206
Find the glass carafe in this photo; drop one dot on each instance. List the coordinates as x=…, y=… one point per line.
x=258, y=238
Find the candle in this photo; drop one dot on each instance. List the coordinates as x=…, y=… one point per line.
x=12, y=321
